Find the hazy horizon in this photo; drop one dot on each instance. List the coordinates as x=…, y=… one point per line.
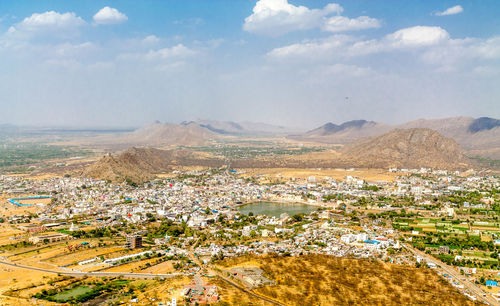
x=290, y=63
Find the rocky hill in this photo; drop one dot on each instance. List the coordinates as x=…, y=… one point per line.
x=139, y=165
x=406, y=148
x=479, y=136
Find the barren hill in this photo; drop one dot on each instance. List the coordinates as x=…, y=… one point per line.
x=408, y=148
x=141, y=164
x=479, y=136
x=171, y=134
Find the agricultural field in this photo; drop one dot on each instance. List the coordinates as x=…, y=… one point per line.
x=53, y=290
x=20, y=156
x=242, y=151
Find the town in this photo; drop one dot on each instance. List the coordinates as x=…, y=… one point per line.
x=180, y=228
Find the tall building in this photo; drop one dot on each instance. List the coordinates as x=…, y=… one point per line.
x=134, y=242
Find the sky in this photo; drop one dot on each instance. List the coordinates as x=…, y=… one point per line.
x=294, y=63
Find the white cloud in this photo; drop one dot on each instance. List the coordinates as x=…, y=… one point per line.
x=314, y=49
x=457, y=9
x=344, y=24
x=347, y=46
x=176, y=52
x=151, y=39
x=430, y=45
x=418, y=36
x=277, y=17
x=109, y=15
x=46, y=23
x=490, y=49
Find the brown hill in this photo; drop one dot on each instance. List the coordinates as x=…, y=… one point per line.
x=406, y=148
x=171, y=134
x=479, y=136
x=139, y=165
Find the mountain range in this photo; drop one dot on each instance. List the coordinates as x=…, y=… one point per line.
x=479, y=136
x=402, y=148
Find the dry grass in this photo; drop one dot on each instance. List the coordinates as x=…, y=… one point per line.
x=326, y=280
x=9, y=209
x=371, y=175
x=83, y=255
x=17, y=278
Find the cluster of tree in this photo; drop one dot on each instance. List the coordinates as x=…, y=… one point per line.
x=98, y=289
x=95, y=233
x=169, y=228
x=469, y=242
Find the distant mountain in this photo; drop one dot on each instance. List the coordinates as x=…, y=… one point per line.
x=158, y=134
x=343, y=133
x=331, y=128
x=482, y=124
x=241, y=128
x=406, y=148
x=477, y=136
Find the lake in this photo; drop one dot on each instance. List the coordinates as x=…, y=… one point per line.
x=276, y=209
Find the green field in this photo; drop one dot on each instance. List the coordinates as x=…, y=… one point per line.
x=21, y=154
x=72, y=293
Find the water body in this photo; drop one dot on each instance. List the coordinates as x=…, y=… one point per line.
x=276, y=209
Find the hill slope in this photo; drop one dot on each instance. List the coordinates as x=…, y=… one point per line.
x=139, y=165
x=328, y=280
x=479, y=136
x=157, y=133
x=406, y=148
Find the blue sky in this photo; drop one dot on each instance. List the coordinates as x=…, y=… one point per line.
x=123, y=63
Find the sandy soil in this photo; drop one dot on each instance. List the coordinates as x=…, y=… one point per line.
x=337, y=174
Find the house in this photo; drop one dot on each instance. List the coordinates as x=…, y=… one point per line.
x=49, y=238
x=134, y=242
x=444, y=249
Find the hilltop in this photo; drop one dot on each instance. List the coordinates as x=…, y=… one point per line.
x=139, y=165
x=478, y=137
x=406, y=148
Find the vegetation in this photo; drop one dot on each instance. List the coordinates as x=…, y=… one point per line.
x=20, y=154
x=327, y=280
x=77, y=293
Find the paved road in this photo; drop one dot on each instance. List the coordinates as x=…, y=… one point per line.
x=476, y=290
x=96, y=274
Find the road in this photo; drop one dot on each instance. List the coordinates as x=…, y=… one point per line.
x=476, y=290
x=96, y=274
